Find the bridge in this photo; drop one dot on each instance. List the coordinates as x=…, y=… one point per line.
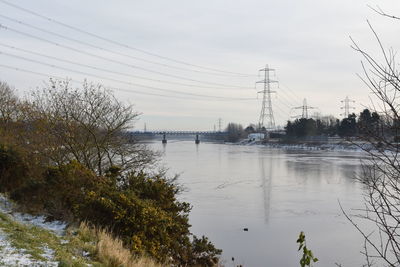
x=209, y=134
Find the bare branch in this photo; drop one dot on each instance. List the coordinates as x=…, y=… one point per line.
x=379, y=11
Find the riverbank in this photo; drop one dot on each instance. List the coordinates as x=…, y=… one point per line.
x=344, y=145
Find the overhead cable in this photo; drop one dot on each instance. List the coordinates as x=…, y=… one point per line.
x=2, y=26
x=120, y=81
x=109, y=70
x=119, y=43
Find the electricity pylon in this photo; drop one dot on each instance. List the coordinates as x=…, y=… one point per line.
x=219, y=124
x=305, y=109
x=347, y=106
x=266, y=115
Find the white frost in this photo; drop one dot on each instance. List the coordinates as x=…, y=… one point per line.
x=57, y=227
x=48, y=253
x=10, y=256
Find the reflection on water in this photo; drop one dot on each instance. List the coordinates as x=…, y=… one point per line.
x=266, y=180
x=276, y=194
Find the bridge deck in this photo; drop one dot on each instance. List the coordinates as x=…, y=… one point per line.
x=179, y=133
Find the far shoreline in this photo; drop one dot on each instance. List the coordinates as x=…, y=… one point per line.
x=342, y=145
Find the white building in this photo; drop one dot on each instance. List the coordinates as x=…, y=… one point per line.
x=256, y=136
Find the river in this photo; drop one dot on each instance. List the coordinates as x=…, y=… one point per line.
x=275, y=193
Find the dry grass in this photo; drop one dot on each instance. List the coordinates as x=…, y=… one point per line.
x=110, y=250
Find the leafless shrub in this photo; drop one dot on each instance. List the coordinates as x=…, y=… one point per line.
x=86, y=124
x=381, y=172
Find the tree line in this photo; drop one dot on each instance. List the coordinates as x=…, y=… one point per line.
x=366, y=123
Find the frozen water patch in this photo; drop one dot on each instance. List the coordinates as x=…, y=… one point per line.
x=10, y=256
x=57, y=227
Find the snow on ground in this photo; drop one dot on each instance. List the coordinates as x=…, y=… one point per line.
x=48, y=253
x=56, y=227
x=10, y=256
x=8, y=207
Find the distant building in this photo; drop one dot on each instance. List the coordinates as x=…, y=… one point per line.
x=256, y=136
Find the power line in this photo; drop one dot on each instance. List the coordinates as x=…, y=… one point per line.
x=289, y=90
x=283, y=113
x=102, y=48
x=106, y=70
x=281, y=118
x=114, y=88
x=289, y=96
x=284, y=101
x=118, y=43
x=119, y=81
x=2, y=26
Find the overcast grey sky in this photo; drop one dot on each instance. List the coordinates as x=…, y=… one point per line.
x=307, y=42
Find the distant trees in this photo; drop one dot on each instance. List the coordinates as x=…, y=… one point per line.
x=250, y=129
x=301, y=127
x=310, y=127
x=368, y=122
x=347, y=127
x=352, y=126
x=235, y=132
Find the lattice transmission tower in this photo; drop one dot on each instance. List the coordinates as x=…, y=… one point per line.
x=304, y=109
x=266, y=115
x=347, y=106
x=219, y=125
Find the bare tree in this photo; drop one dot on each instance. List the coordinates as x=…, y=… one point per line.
x=10, y=113
x=86, y=124
x=8, y=103
x=381, y=172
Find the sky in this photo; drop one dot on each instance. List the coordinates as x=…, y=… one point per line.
x=185, y=64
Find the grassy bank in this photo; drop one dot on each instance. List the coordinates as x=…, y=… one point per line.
x=23, y=244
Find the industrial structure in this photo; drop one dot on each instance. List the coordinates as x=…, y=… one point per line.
x=266, y=119
x=304, y=108
x=347, y=106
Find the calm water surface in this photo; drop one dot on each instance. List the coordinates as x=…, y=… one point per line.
x=275, y=193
